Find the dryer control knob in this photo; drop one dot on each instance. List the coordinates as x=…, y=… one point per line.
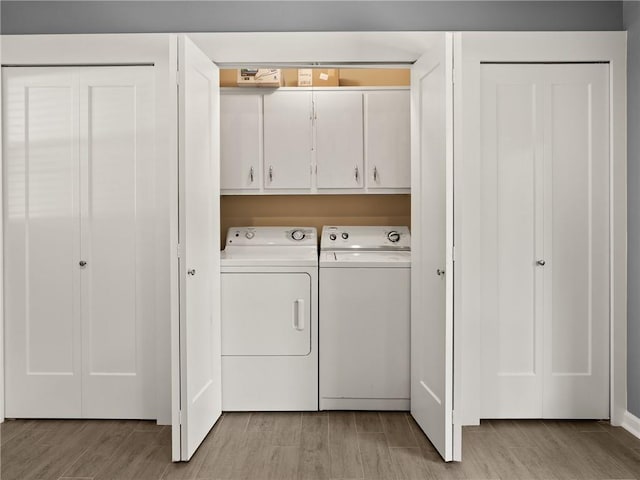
x=345, y=235
x=332, y=236
x=297, y=235
x=250, y=235
x=393, y=236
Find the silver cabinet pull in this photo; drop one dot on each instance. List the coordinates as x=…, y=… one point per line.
x=82, y=263
x=191, y=271
x=251, y=174
x=271, y=174
x=541, y=263
x=439, y=272
x=375, y=174
x=356, y=173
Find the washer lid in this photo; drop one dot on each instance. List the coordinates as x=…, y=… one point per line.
x=364, y=259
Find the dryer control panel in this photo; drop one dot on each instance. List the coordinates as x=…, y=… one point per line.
x=271, y=236
x=365, y=238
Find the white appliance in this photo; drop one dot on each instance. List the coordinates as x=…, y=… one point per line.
x=365, y=275
x=270, y=319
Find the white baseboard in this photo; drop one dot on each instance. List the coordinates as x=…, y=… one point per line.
x=631, y=424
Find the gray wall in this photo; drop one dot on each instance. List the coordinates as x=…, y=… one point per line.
x=218, y=16
x=632, y=24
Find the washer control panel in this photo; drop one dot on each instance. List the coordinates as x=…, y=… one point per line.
x=276, y=236
x=365, y=238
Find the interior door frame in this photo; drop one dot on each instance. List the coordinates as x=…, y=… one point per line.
x=471, y=50
x=160, y=52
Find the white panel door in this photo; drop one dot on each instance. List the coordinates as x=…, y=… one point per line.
x=42, y=232
x=545, y=157
x=274, y=320
x=576, y=242
x=338, y=143
x=513, y=225
x=199, y=236
x=116, y=162
x=387, y=139
x=240, y=141
x=287, y=140
x=432, y=248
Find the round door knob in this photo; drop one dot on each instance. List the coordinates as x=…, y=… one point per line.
x=439, y=272
x=191, y=271
x=250, y=235
x=541, y=263
x=393, y=236
x=82, y=263
x=297, y=235
x=332, y=236
x=345, y=235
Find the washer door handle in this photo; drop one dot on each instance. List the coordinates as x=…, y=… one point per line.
x=298, y=314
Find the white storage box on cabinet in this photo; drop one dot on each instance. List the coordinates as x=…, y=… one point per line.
x=241, y=141
x=387, y=139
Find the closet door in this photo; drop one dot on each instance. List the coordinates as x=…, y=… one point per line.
x=546, y=241
x=116, y=151
x=41, y=220
x=576, y=241
x=512, y=165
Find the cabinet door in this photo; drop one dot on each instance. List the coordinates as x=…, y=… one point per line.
x=387, y=139
x=41, y=222
x=240, y=141
x=116, y=161
x=287, y=140
x=338, y=118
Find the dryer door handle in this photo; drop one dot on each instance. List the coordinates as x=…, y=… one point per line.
x=298, y=314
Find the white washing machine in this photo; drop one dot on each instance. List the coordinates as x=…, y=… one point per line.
x=270, y=319
x=365, y=302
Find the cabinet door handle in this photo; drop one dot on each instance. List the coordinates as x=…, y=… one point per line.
x=356, y=174
x=541, y=263
x=375, y=174
x=191, y=271
x=439, y=272
x=251, y=174
x=270, y=174
x=82, y=263
x=298, y=315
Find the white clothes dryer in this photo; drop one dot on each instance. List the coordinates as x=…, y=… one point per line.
x=269, y=306
x=365, y=317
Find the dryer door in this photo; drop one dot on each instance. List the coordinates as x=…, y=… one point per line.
x=266, y=314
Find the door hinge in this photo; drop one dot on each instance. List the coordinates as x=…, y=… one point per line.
x=453, y=254
x=179, y=251
x=180, y=417
x=454, y=420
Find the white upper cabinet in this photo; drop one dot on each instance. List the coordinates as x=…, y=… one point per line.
x=241, y=141
x=339, y=158
x=303, y=140
x=387, y=139
x=287, y=140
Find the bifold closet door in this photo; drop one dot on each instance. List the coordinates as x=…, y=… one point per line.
x=41, y=242
x=116, y=164
x=78, y=213
x=545, y=319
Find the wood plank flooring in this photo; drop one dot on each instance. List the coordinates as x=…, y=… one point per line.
x=315, y=446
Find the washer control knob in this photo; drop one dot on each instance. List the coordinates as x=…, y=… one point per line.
x=332, y=236
x=345, y=235
x=250, y=235
x=297, y=235
x=393, y=236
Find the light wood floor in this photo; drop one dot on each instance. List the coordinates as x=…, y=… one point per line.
x=336, y=445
